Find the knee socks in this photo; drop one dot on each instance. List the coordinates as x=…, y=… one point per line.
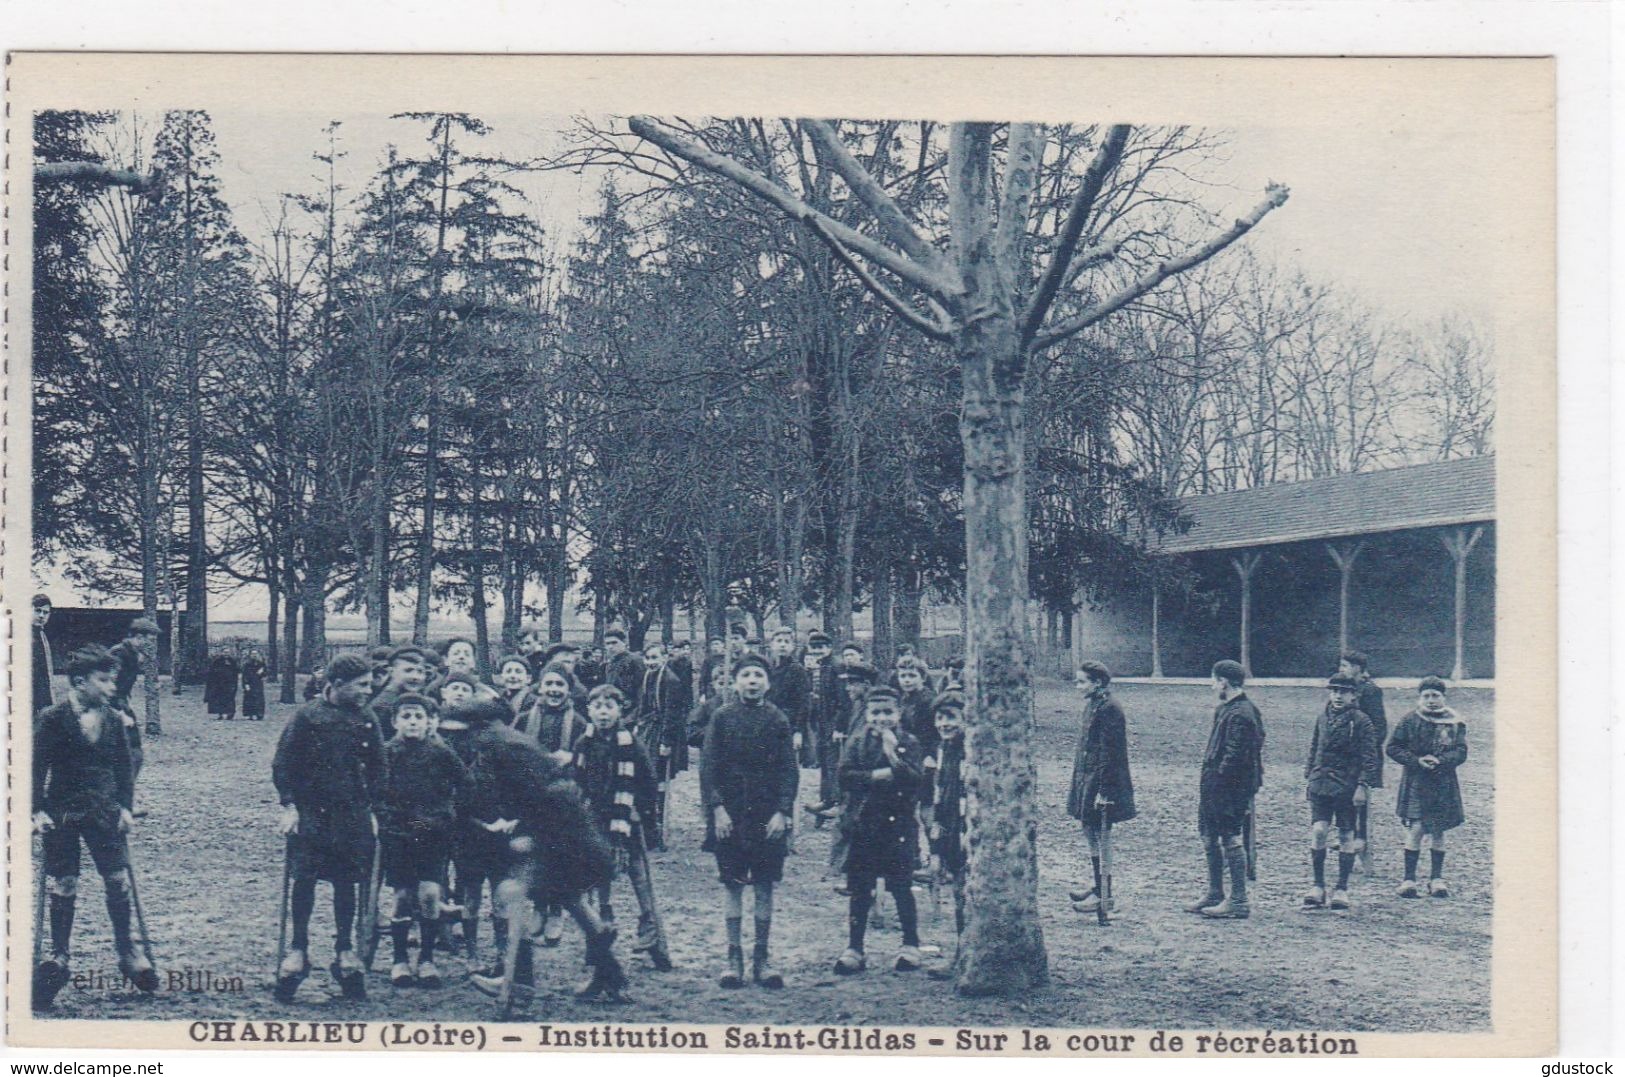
x=908, y=913
x=343, y=915
x=428, y=931
x=859, y=902
x=1317, y=857
x=1411, y=857
x=400, y=929
x=304, y=903
x=118, y=911
x=1437, y=871
x=764, y=928
x=61, y=924
x=1345, y=867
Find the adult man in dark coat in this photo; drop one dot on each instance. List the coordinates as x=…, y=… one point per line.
x=44, y=693
x=1232, y=773
x=138, y=648
x=825, y=703
x=1101, y=785
x=557, y=855
x=681, y=665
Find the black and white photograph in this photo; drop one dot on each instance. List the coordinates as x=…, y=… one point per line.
x=678, y=566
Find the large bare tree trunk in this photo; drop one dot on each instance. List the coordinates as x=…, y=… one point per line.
x=272, y=656
x=378, y=570
x=150, y=522
x=881, y=612
x=1002, y=949
x=314, y=600
x=482, y=618
x=906, y=605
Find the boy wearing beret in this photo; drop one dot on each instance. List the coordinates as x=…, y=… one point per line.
x=1342, y=765
x=748, y=780
x=1430, y=743
x=329, y=774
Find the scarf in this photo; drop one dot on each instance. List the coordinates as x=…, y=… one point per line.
x=625, y=775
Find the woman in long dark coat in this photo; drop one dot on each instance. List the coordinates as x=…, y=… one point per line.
x=220, y=687
x=1430, y=743
x=1102, y=789
x=254, y=687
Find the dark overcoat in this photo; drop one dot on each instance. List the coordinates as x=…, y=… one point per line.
x=878, y=831
x=1100, y=767
x=220, y=686
x=513, y=779
x=1343, y=753
x=1370, y=702
x=329, y=764
x=44, y=694
x=662, y=720
x=1430, y=797
x=254, y=687
x=1232, y=766
x=78, y=782
x=748, y=765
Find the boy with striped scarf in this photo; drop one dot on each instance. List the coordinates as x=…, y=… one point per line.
x=621, y=791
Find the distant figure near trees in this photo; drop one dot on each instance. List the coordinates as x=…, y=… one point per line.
x=253, y=674
x=220, y=688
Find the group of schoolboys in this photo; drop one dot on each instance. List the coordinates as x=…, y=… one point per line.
x=1344, y=764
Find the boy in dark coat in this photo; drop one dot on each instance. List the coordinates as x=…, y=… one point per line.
x=792, y=691
x=1102, y=791
x=1232, y=773
x=662, y=725
x=554, y=722
x=716, y=655
x=1430, y=743
x=824, y=700
x=623, y=669
x=556, y=855
x=882, y=772
x=748, y=779
x=476, y=857
x=718, y=695
x=329, y=775
x=681, y=665
x=423, y=785
x=621, y=791
x=1342, y=764
x=83, y=791
x=1368, y=699
x=137, y=650
x=949, y=831
x=531, y=643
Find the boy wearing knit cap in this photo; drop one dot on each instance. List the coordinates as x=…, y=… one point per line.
x=882, y=773
x=1430, y=743
x=621, y=791
x=1343, y=754
x=423, y=784
x=748, y=779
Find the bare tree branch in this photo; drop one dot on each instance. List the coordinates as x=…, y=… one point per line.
x=931, y=327
x=863, y=184
x=1026, y=152
x=927, y=280
x=66, y=171
x=1083, y=203
x=1276, y=197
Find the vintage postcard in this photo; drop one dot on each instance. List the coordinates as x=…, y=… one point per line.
x=984, y=556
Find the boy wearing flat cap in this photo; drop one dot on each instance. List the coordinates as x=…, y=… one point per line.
x=1342, y=766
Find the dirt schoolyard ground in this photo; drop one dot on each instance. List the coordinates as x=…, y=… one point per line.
x=209, y=862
